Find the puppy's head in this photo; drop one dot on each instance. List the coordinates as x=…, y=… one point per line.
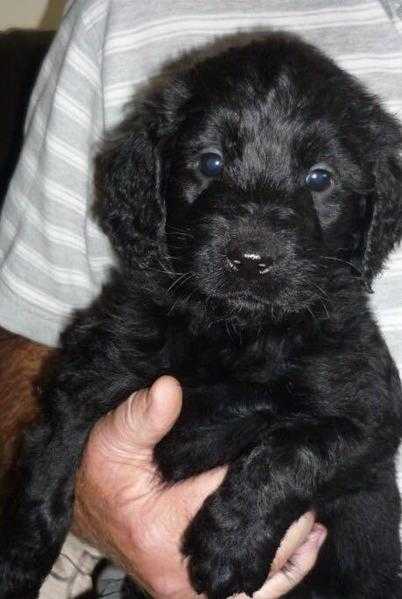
x=257, y=175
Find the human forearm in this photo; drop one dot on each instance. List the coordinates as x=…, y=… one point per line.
x=21, y=362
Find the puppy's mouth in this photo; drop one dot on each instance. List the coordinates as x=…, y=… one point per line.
x=246, y=299
x=275, y=300
x=256, y=283
x=251, y=287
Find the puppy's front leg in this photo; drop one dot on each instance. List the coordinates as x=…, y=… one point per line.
x=233, y=539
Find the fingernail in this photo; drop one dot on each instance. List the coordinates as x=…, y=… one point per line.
x=308, y=517
x=317, y=536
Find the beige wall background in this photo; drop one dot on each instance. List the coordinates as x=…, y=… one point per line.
x=38, y=14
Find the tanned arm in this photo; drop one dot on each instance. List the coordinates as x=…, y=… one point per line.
x=21, y=362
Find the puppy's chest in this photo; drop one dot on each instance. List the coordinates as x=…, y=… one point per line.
x=220, y=356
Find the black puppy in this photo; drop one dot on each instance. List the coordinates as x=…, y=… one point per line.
x=251, y=199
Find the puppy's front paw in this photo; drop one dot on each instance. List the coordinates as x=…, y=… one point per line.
x=227, y=554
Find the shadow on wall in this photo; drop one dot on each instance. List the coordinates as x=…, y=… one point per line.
x=53, y=14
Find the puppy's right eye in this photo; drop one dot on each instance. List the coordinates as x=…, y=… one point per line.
x=211, y=164
x=319, y=179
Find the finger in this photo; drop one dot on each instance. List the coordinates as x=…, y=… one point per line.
x=296, y=569
x=140, y=422
x=294, y=538
x=149, y=414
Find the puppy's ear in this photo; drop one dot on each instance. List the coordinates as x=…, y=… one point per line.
x=130, y=205
x=385, y=217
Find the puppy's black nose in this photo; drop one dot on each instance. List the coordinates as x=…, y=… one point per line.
x=249, y=265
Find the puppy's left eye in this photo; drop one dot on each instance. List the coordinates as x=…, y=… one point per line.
x=319, y=179
x=211, y=164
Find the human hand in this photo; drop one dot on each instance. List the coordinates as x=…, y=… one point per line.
x=123, y=509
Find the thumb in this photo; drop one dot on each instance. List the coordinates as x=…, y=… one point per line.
x=146, y=416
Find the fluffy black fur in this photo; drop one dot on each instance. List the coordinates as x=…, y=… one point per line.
x=251, y=288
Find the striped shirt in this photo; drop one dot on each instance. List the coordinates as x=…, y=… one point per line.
x=53, y=257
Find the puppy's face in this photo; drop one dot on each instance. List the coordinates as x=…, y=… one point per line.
x=263, y=189
x=269, y=174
